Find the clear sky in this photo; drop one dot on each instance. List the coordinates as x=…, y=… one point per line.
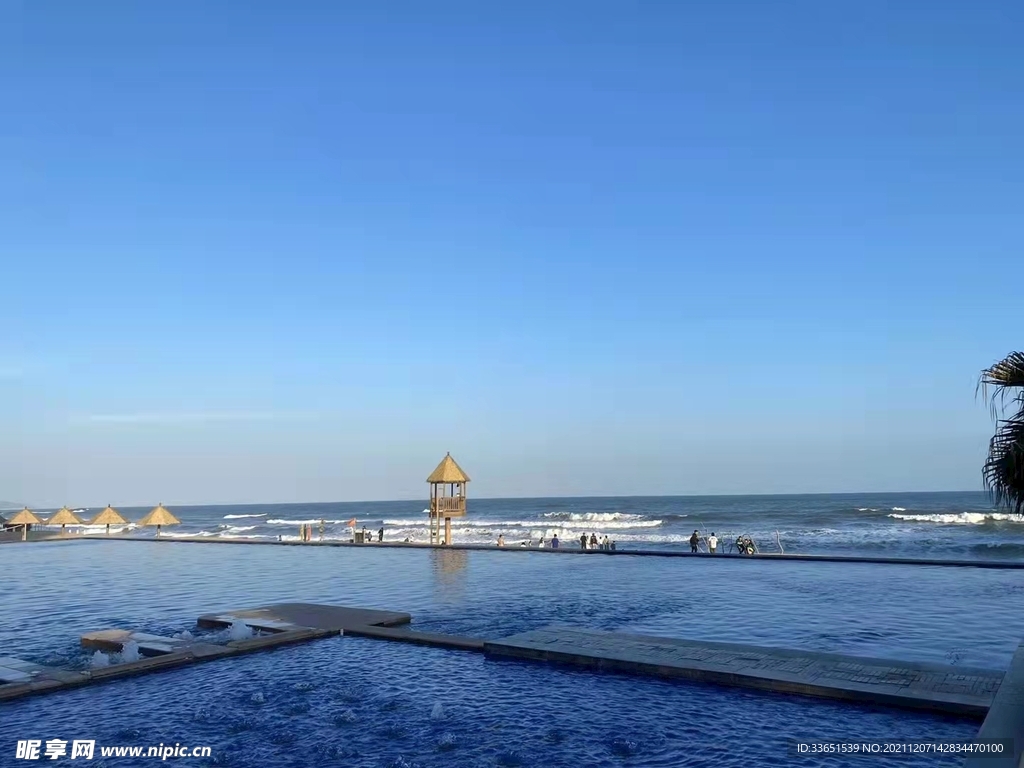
x=257, y=251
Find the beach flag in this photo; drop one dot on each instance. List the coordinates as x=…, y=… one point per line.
x=352, y=523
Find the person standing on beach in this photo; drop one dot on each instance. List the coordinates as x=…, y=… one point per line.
x=554, y=541
x=501, y=539
x=583, y=541
x=593, y=541
x=380, y=534
x=712, y=543
x=694, y=541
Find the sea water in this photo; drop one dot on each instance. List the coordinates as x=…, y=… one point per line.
x=948, y=525
x=365, y=702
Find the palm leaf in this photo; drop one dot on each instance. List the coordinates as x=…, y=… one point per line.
x=1004, y=469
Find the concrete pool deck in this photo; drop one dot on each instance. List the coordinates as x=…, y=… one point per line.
x=570, y=550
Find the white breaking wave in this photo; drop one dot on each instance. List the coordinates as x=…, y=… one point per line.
x=961, y=518
x=593, y=517
x=86, y=528
x=899, y=509
x=313, y=521
x=458, y=523
x=236, y=517
x=228, y=529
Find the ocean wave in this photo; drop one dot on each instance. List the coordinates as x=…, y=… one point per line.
x=314, y=521
x=87, y=528
x=226, y=529
x=461, y=523
x=236, y=517
x=899, y=509
x=961, y=518
x=593, y=517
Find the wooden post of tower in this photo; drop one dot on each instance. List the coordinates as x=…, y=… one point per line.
x=447, y=498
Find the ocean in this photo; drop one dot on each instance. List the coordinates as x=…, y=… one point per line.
x=954, y=525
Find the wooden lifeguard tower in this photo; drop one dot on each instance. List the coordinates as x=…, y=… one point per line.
x=447, y=498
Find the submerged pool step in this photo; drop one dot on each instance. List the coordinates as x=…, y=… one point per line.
x=19, y=677
x=914, y=685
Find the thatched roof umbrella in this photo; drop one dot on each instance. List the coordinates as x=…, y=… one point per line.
x=159, y=517
x=108, y=517
x=25, y=518
x=64, y=517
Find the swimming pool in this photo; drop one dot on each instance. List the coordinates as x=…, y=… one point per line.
x=365, y=702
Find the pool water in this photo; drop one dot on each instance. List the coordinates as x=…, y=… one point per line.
x=351, y=701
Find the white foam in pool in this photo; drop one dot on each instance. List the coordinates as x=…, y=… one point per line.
x=99, y=659
x=130, y=652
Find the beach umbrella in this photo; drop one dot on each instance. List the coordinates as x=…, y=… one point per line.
x=64, y=517
x=159, y=517
x=108, y=517
x=25, y=518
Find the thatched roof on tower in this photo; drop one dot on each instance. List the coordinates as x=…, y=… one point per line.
x=64, y=517
x=159, y=516
x=25, y=517
x=108, y=516
x=448, y=472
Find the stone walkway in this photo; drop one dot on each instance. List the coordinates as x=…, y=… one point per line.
x=937, y=687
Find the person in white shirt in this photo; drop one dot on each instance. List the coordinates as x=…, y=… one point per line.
x=712, y=543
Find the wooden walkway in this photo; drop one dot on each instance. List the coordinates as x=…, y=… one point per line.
x=935, y=687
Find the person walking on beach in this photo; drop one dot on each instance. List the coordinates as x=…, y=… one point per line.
x=583, y=541
x=554, y=541
x=694, y=541
x=712, y=543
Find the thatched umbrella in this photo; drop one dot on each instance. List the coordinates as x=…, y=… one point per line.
x=159, y=517
x=108, y=517
x=63, y=518
x=25, y=518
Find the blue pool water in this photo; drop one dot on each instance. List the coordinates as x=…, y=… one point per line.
x=349, y=701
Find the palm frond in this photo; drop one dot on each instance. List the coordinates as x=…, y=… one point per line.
x=1004, y=469
x=1008, y=372
x=1003, y=378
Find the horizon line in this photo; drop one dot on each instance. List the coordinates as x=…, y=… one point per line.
x=512, y=498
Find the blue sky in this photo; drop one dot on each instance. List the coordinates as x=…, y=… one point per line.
x=258, y=252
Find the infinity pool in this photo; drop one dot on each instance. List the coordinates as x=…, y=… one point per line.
x=351, y=701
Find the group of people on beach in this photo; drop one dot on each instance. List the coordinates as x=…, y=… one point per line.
x=593, y=542
x=744, y=544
